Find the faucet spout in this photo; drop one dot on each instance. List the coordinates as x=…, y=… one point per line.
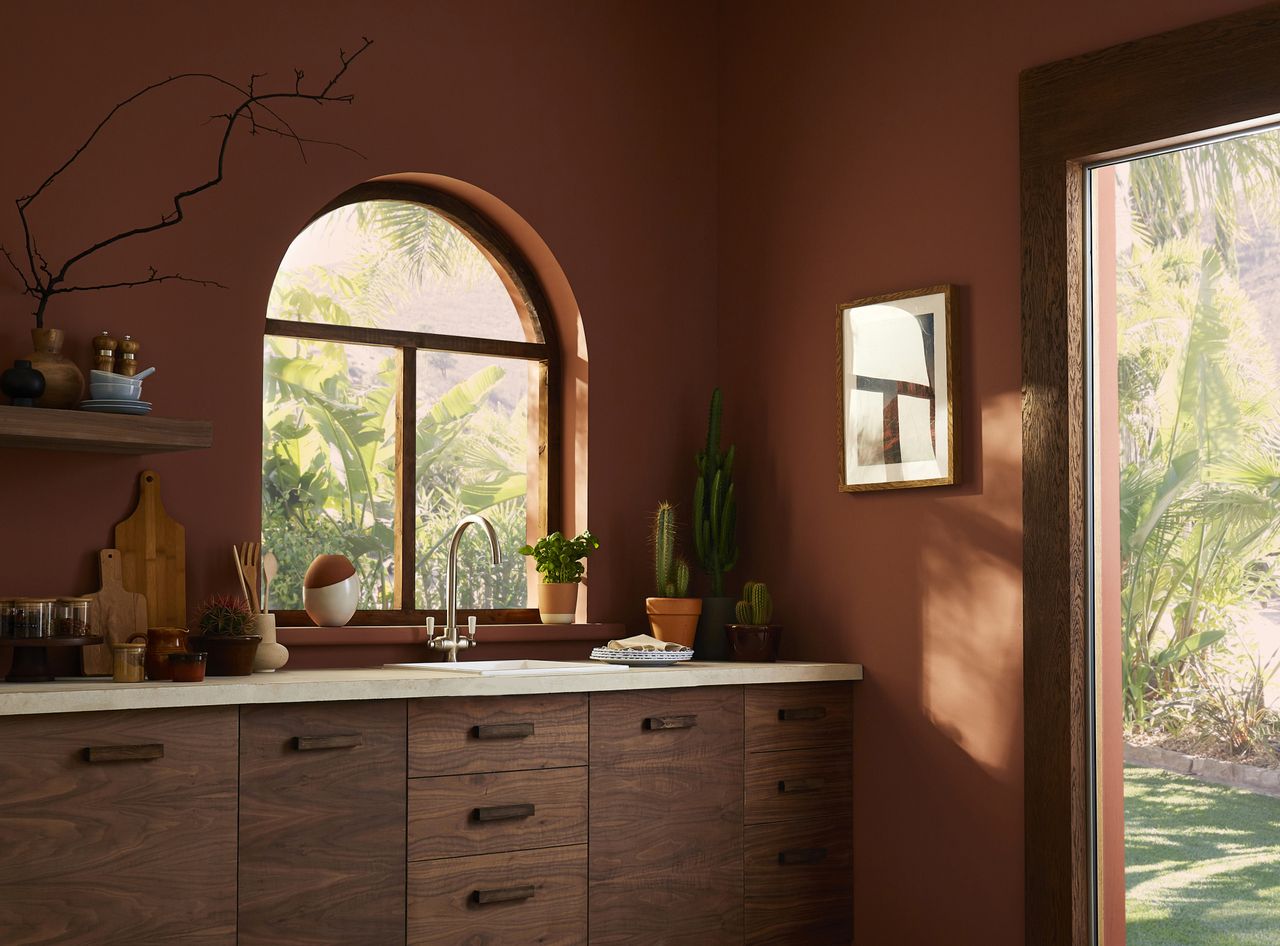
x=448, y=641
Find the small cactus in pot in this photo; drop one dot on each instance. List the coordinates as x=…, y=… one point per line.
x=753, y=638
x=672, y=616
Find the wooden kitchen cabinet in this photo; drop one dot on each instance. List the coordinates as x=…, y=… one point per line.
x=118, y=827
x=322, y=824
x=666, y=796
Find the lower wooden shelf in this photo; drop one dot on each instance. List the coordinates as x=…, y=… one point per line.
x=36, y=428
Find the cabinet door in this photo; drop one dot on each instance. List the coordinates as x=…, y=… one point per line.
x=665, y=858
x=322, y=824
x=118, y=827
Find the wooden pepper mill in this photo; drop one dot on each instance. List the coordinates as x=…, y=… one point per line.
x=104, y=352
x=128, y=356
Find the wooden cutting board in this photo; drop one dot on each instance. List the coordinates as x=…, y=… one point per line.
x=114, y=613
x=153, y=553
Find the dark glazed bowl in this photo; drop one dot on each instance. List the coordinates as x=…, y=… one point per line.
x=754, y=643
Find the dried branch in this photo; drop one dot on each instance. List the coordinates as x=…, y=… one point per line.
x=42, y=281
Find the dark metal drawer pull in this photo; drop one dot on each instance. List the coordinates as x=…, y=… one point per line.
x=803, y=712
x=792, y=785
x=503, y=731
x=142, y=753
x=803, y=855
x=503, y=812
x=670, y=722
x=503, y=894
x=348, y=740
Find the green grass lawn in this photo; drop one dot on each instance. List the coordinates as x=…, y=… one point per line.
x=1202, y=863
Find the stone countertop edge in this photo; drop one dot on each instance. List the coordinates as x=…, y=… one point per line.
x=75, y=695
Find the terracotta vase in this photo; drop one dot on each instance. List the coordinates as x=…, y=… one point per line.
x=674, y=620
x=558, y=602
x=228, y=656
x=63, y=381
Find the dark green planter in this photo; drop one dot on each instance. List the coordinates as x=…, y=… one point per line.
x=710, y=642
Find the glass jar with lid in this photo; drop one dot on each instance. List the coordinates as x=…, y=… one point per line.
x=127, y=665
x=6, y=617
x=71, y=617
x=32, y=617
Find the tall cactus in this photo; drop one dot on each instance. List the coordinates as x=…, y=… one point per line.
x=714, y=509
x=756, y=606
x=664, y=547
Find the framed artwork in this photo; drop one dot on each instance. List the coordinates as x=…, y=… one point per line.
x=896, y=377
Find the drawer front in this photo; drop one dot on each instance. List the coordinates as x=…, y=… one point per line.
x=463, y=815
x=322, y=823
x=461, y=735
x=136, y=846
x=799, y=716
x=666, y=816
x=514, y=899
x=799, y=882
x=799, y=784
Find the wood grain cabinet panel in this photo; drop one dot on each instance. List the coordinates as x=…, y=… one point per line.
x=799, y=716
x=666, y=817
x=799, y=882
x=460, y=735
x=461, y=815
x=512, y=899
x=799, y=784
x=139, y=849
x=322, y=824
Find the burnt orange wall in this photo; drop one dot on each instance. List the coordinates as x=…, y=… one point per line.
x=865, y=148
x=593, y=122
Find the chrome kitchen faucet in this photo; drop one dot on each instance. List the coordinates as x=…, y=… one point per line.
x=448, y=641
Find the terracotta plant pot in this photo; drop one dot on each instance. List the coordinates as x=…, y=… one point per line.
x=228, y=656
x=63, y=381
x=558, y=602
x=674, y=620
x=754, y=643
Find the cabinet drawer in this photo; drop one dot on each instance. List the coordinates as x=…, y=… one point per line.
x=460, y=815
x=322, y=818
x=527, y=897
x=137, y=845
x=460, y=735
x=799, y=882
x=799, y=784
x=799, y=715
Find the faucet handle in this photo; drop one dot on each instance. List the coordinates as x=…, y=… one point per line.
x=471, y=628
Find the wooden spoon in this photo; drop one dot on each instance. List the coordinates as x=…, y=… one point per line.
x=270, y=568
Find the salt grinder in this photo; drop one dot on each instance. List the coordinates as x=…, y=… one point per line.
x=104, y=352
x=129, y=356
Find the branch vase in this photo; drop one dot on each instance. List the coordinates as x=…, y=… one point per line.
x=63, y=381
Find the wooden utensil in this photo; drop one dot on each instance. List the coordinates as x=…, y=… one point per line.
x=270, y=568
x=153, y=554
x=249, y=558
x=244, y=588
x=114, y=614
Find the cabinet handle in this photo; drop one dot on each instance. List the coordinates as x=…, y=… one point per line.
x=503, y=731
x=653, y=723
x=803, y=855
x=142, y=753
x=503, y=894
x=503, y=812
x=793, y=785
x=349, y=740
x=803, y=712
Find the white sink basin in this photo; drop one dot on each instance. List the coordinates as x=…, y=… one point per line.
x=512, y=668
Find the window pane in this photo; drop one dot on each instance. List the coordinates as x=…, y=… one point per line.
x=397, y=265
x=473, y=447
x=328, y=462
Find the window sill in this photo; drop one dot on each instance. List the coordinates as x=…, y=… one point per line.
x=485, y=633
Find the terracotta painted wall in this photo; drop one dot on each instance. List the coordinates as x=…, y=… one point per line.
x=864, y=148
x=595, y=123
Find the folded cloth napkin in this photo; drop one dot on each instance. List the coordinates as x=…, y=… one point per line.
x=645, y=642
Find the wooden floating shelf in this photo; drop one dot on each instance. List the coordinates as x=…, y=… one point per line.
x=36, y=428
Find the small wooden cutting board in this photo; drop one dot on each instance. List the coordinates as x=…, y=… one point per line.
x=114, y=613
x=153, y=552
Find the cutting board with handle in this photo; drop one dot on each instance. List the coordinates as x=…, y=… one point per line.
x=114, y=614
x=153, y=555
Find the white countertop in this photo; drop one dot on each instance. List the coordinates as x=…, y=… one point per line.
x=76, y=695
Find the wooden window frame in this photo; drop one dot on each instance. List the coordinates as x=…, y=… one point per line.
x=542, y=348
x=1172, y=89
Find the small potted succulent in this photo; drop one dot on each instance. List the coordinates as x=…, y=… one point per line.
x=753, y=639
x=559, y=562
x=224, y=622
x=673, y=616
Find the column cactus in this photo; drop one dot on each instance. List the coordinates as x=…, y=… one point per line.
x=670, y=572
x=714, y=509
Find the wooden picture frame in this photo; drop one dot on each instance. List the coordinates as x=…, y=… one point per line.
x=895, y=390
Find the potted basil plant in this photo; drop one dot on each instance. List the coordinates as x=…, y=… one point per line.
x=560, y=563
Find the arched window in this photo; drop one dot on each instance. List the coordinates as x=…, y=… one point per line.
x=410, y=377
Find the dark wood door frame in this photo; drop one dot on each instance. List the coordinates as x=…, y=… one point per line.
x=1166, y=90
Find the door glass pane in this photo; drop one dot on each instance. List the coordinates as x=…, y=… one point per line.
x=397, y=265
x=473, y=457
x=328, y=462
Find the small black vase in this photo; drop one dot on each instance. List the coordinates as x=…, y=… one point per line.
x=22, y=383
